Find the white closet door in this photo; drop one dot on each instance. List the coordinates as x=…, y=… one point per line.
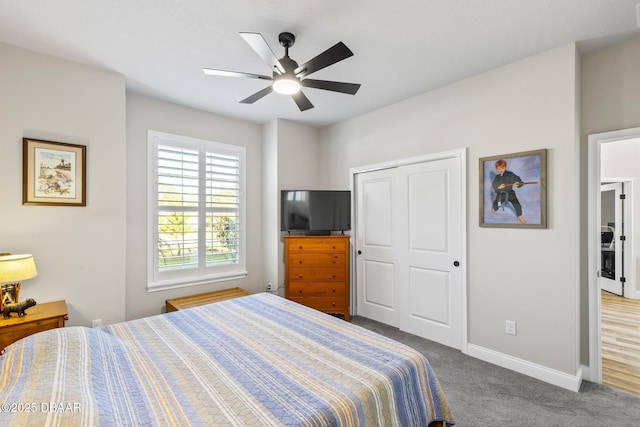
x=376, y=235
x=429, y=273
x=408, y=248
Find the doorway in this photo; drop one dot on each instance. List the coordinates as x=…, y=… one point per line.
x=409, y=246
x=616, y=198
x=621, y=226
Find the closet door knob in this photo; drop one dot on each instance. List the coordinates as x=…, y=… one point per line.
x=456, y=263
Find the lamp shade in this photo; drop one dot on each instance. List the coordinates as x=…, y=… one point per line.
x=14, y=268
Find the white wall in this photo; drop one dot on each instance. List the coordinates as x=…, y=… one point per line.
x=79, y=251
x=270, y=205
x=526, y=275
x=298, y=156
x=298, y=169
x=145, y=113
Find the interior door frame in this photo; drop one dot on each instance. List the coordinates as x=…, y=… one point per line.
x=458, y=153
x=595, y=142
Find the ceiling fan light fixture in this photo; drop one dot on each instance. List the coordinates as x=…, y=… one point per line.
x=286, y=85
x=287, y=76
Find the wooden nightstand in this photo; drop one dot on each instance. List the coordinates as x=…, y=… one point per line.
x=41, y=317
x=176, y=304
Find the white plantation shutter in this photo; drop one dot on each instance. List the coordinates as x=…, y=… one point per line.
x=222, y=207
x=196, y=211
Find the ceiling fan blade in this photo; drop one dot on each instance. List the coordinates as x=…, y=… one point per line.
x=350, y=88
x=334, y=54
x=260, y=46
x=302, y=101
x=258, y=95
x=224, y=73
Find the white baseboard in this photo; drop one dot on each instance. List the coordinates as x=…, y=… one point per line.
x=542, y=373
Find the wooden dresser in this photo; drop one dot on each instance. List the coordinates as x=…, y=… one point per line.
x=317, y=272
x=41, y=317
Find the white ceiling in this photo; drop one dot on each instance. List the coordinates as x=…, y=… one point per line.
x=402, y=47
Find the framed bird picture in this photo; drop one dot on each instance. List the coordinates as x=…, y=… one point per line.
x=54, y=173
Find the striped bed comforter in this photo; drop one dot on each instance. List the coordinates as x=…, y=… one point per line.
x=252, y=361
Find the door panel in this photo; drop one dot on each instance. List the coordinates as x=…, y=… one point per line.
x=611, y=251
x=430, y=294
x=376, y=211
x=375, y=241
x=425, y=192
x=378, y=276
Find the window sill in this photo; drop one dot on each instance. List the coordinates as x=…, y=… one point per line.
x=174, y=284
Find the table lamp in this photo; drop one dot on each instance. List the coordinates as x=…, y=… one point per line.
x=13, y=269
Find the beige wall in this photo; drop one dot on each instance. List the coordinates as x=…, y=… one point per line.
x=145, y=114
x=79, y=251
x=526, y=275
x=298, y=169
x=270, y=207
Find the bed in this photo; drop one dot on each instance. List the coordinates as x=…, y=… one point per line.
x=251, y=361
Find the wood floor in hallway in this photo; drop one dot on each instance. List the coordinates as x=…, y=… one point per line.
x=621, y=342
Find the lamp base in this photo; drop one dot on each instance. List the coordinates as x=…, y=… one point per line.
x=10, y=294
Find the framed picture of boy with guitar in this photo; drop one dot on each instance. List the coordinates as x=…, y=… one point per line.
x=513, y=190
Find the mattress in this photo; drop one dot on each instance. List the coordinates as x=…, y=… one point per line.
x=251, y=361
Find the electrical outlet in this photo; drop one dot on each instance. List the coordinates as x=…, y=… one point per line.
x=269, y=287
x=511, y=327
x=96, y=322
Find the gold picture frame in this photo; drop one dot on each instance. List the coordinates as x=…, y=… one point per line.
x=54, y=173
x=513, y=190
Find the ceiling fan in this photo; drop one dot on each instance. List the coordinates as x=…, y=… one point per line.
x=288, y=77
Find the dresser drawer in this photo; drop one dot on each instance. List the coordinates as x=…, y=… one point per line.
x=317, y=245
x=323, y=274
x=317, y=289
x=317, y=259
x=326, y=304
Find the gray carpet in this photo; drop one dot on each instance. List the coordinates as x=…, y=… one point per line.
x=482, y=394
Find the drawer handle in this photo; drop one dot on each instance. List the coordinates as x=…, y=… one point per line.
x=300, y=247
x=333, y=276
x=300, y=290
x=300, y=262
x=333, y=246
x=334, y=289
x=300, y=276
x=333, y=303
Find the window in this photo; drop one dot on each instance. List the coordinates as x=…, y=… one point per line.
x=196, y=211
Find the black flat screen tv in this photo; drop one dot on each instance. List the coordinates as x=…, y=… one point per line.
x=315, y=211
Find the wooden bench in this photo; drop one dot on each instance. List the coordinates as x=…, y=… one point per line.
x=181, y=303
